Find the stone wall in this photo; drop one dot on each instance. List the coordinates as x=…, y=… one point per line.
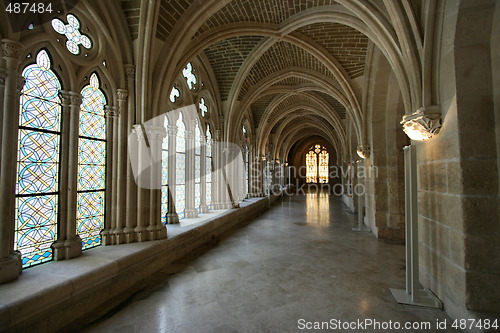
x=458, y=177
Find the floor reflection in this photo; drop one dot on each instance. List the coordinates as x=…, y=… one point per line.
x=318, y=207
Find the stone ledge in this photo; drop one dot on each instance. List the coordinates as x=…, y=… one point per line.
x=52, y=296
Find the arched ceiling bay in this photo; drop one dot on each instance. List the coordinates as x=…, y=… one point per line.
x=260, y=49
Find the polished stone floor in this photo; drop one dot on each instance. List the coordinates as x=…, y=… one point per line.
x=298, y=261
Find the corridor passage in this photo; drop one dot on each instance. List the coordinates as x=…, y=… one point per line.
x=298, y=263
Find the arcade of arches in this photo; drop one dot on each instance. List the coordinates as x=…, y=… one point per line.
x=123, y=121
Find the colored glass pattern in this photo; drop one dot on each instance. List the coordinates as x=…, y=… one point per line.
x=323, y=167
x=72, y=32
x=317, y=160
x=38, y=162
x=91, y=165
x=311, y=167
x=180, y=168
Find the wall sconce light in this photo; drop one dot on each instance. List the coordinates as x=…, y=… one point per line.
x=263, y=158
x=423, y=124
x=364, y=151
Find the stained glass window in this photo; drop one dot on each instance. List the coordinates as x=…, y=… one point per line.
x=244, y=130
x=197, y=168
x=91, y=165
x=311, y=167
x=180, y=169
x=72, y=33
x=203, y=107
x=190, y=77
x=174, y=94
x=317, y=165
x=164, y=175
x=323, y=167
x=38, y=162
x=208, y=178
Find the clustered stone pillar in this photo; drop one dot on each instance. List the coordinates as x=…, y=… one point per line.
x=172, y=216
x=140, y=229
x=203, y=167
x=111, y=114
x=69, y=244
x=190, y=210
x=118, y=235
x=10, y=261
x=217, y=179
x=131, y=186
x=156, y=133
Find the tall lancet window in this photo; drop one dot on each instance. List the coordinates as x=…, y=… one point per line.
x=180, y=169
x=37, y=187
x=197, y=168
x=209, y=167
x=164, y=175
x=91, y=164
x=317, y=160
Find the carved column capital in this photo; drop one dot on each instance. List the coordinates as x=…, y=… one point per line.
x=172, y=131
x=129, y=71
x=70, y=98
x=122, y=94
x=111, y=112
x=11, y=49
x=155, y=133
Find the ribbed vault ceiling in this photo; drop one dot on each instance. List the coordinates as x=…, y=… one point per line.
x=243, y=63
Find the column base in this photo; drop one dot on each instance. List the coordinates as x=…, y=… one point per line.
x=227, y=205
x=68, y=249
x=128, y=235
x=107, y=237
x=172, y=218
x=11, y=268
x=191, y=213
x=157, y=232
x=117, y=236
x=141, y=234
x=204, y=209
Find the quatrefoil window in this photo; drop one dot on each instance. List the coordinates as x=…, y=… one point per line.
x=72, y=33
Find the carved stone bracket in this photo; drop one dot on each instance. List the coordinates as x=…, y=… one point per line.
x=364, y=151
x=423, y=124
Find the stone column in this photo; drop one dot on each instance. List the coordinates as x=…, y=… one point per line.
x=131, y=190
x=3, y=78
x=190, y=210
x=10, y=261
x=141, y=232
x=111, y=114
x=227, y=173
x=69, y=244
x=203, y=181
x=217, y=179
x=156, y=133
x=172, y=216
x=121, y=162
